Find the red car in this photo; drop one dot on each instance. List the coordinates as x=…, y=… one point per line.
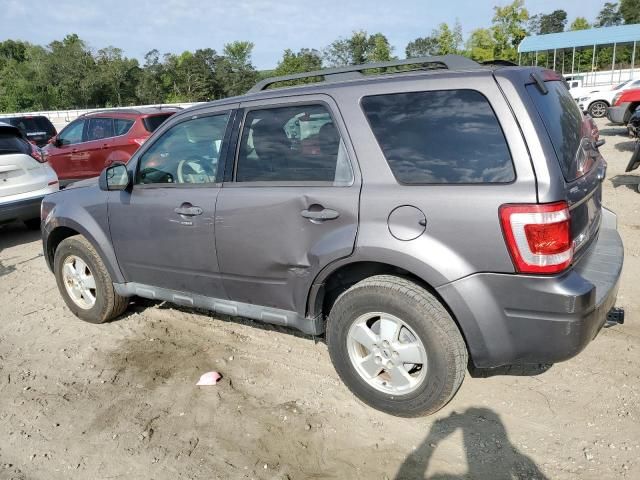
x=94, y=140
x=624, y=104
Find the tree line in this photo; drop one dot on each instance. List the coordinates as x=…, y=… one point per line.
x=68, y=74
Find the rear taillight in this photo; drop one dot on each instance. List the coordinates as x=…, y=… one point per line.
x=616, y=99
x=38, y=154
x=538, y=236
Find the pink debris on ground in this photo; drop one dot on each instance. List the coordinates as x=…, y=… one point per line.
x=209, y=378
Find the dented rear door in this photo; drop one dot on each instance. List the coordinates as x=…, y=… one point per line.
x=290, y=203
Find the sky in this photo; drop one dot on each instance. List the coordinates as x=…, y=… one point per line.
x=172, y=26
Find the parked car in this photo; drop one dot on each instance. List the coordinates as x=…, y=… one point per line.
x=418, y=219
x=596, y=103
x=25, y=178
x=623, y=105
x=95, y=140
x=37, y=128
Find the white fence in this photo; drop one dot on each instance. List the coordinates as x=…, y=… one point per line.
x=60, y=118
x=608, y=77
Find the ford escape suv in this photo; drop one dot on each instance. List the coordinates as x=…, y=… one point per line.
x=421, y=219
x=97, y=139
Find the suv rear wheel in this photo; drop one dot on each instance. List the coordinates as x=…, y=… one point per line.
x=85, y=283
x=396, y=347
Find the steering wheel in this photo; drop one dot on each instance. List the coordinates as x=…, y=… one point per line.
x=190, y=170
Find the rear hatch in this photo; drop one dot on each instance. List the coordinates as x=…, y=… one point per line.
x=38, y=129
x=19, y=173
x=580, y=161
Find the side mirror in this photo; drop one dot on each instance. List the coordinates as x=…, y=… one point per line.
x=114, y=177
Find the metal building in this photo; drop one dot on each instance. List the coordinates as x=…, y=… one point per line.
x=581, y=40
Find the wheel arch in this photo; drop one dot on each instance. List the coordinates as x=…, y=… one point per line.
x=339, y=276
x=65, y=228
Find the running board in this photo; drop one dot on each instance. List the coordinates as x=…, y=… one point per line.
x=276, y=316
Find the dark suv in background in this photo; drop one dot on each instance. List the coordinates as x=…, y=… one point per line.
x=417, y=218
x=37, y=128
x=95, y=140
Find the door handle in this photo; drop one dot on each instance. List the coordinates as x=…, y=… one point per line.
x=188, y=211
x=320, y=215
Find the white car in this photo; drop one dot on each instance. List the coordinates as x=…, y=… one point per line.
x=596, y=103
x=25, y=178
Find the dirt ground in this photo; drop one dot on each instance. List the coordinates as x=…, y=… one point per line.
x=81, y=401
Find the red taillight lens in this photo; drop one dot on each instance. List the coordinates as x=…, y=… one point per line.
x=38, y=154
x=538, y=236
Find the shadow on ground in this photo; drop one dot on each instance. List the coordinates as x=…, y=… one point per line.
x=626, y=146
x=488, y=450
x=13, y=234
x=615, y=130
x=629, y=181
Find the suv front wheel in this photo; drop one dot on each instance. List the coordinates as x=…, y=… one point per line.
x=84, y=281
x=395, y=346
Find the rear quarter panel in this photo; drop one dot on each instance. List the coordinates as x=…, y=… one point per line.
x=463, y=233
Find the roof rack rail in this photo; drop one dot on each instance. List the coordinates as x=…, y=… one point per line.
x=451, y=62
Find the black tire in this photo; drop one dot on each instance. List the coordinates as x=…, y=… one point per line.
x=32, y=223
x=426, y=316
x=108, y=304
x=598, y=109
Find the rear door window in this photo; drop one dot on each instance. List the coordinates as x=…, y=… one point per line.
x=121, y=126
x=440, y=137
x=99, y=128
x=562, y=119
x=296, y=144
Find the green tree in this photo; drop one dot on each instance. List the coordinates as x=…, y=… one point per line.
x=422, y=47
x=609, y=15
x=235, y=72
x=553, y=22
x=630, y=11
x=580, y=23
x=481, y=45
x=509, y=29
x=305, y=60
x=118, y=76
x=359, y=48
x=443, y=41
x=151, y=87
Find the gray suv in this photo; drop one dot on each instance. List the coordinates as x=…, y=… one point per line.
x=425, y=215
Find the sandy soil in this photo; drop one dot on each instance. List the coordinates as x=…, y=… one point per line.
x=81, y=401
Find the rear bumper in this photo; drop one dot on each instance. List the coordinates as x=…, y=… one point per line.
x=617, y=114
x=522, y=319
x=21, y=209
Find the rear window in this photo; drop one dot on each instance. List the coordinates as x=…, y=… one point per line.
x=9, y=143
x=440, y=137
x=563, y=120
x=33, y=125
x=151, y=123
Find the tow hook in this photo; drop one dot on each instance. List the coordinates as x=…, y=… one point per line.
x=615, y=316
